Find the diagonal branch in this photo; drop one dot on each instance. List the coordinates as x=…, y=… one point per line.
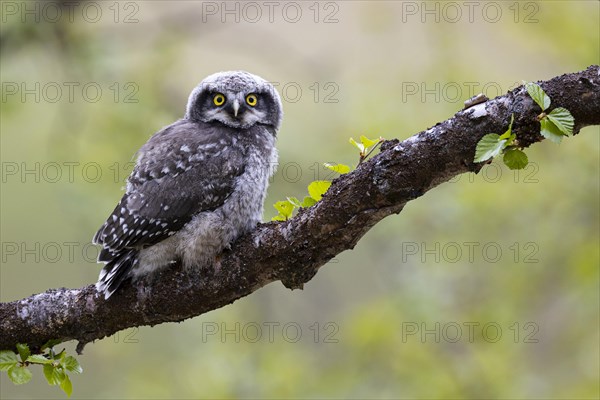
x=294, y=250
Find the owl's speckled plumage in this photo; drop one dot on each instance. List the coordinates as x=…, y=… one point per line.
x=198, y=183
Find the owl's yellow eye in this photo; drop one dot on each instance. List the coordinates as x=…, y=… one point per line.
x=251, y=99
x=219, y=99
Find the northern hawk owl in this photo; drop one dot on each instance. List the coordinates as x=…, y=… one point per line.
x=198, y=184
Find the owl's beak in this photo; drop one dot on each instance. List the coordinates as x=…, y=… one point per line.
x=236, y=107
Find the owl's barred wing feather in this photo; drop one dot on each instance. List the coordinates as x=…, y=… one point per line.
x=182, y=170
x=116, y=271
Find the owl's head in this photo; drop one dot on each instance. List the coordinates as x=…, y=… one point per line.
x=237, y=99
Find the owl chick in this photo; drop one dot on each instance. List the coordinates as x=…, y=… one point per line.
x=198, y=184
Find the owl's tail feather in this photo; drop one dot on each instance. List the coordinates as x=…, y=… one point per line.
x=116, y=271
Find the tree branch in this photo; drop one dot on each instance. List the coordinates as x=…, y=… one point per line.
x=294, y=250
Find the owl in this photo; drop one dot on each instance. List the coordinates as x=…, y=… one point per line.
x=198, y=184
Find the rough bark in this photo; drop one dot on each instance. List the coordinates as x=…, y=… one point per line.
x=294, y=250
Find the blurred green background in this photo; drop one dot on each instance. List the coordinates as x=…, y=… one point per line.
x=486, y=287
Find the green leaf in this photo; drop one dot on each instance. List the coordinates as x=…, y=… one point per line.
x=38, y=359
x=66, y=385
x=562, y=118
x=308, y=202
x=317, y=189
x=285, y=208
x=294, y=201
x=551, y=131
x=279, y=218
x=538, y=95
x=508, y=135
x=70, y=363
x=488, y=147
x=505, y=136
x=339, y=168
x=23, y=350
x=359, y=146
x=8, y=359
x=366, y=142
x=60, y=355
x=19, y=374
x=515, y=159
x=54, y=375
x=49, y=374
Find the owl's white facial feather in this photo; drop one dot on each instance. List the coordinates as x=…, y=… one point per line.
x=235, y=112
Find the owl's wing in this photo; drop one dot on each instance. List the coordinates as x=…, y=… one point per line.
x=183, y=170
